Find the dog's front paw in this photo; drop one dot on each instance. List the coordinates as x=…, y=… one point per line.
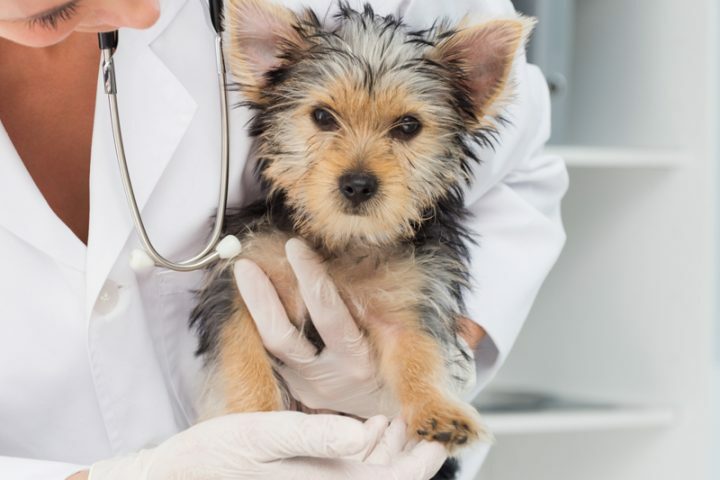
x=446, y=421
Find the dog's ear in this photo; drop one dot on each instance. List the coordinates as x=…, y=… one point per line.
x=483, y=56
x=260, y=33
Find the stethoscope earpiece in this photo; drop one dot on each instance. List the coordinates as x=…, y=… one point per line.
x=109, y=40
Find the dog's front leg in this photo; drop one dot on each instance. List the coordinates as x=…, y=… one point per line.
x=245, y=371
x=412, y=364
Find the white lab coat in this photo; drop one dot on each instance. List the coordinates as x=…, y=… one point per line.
x=96, y=360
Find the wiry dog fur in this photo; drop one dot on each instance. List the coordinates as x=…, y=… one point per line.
x=398, y=259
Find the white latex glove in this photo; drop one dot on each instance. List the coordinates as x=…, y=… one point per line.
x=343, y=378
x=281, y=445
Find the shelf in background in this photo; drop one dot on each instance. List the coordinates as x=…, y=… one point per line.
x=524, y=413
x=577, y=420
x=579, y=156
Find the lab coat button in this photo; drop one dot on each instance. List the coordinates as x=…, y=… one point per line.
x=108, y=298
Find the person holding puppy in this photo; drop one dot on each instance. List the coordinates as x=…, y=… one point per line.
x=97, y=363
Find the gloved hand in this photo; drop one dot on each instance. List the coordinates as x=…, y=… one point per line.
x=281, y=445
x=343, y=378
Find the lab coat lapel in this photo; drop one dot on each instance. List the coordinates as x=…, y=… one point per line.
x=25, y=213
x=155, y=112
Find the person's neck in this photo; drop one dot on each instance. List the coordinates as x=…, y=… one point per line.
x=47, y=104
x=66, y=54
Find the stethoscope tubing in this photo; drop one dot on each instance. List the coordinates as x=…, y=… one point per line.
x=209, y=254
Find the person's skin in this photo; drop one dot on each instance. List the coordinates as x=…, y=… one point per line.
x=27, y=22
x=47, y=97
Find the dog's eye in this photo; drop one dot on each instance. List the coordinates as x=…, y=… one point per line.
x=324, y=120
x=407, y=128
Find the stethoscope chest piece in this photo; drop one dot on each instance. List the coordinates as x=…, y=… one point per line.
x=227, y=249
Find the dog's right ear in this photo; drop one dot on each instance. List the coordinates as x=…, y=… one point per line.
x=259, y=34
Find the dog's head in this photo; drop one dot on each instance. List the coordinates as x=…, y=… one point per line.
x=363, y=125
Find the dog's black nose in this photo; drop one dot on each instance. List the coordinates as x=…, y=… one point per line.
x=358, y=187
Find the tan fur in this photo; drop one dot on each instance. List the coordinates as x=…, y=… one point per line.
x=396, y=294
x=272, y=25
x=411, y=362
x=374, y=288
x=380, y=294
x=493, y=44
x=242, y=356
x=363, y=144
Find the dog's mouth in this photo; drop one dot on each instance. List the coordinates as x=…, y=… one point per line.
x=356, y=210
x=369, y=225
x=338, y=219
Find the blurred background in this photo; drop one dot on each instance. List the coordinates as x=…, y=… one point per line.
x=615, y=375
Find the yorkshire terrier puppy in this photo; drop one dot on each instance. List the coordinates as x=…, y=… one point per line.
x=365, y=133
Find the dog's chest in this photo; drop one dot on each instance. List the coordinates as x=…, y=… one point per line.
x=373, y=284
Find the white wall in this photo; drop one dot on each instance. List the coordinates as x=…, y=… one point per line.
x=715, y=468
x=629, y=315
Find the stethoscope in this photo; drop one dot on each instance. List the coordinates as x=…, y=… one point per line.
x=229, y=246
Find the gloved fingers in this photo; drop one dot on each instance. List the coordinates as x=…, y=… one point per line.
x=411, y=444
x=279, y=336
x=317, y=436
x=327, y=309
x=422, y=462
x=319, y=388
x=129, y=466
x=376, y=428
x=390, y=445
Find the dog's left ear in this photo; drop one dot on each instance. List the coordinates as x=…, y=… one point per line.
x=261, y=34
x=483, y=55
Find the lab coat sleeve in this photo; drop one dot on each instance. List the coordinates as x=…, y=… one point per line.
x=29, y=469
x=514, y=200
x=516, y=215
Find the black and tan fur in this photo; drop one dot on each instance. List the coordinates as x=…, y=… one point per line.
x=399, y=259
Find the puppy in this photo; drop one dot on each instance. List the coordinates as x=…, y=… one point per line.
x=365, y=133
